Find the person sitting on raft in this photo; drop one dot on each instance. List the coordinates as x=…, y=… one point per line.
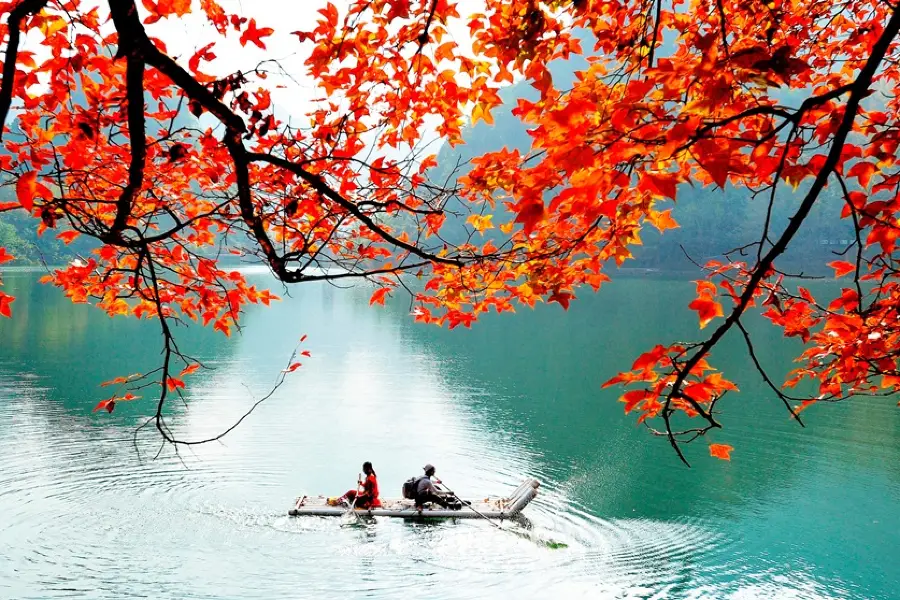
x=368, y=498
x=426, y=491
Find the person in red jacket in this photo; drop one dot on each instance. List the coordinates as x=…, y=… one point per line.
x=368, y=498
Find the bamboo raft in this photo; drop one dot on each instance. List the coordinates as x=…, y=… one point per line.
x=494, y=508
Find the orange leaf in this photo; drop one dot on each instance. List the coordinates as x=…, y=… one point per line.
x=863, y=171
x=173, y=384
x=480, y=223
x=722, y=451
x=398, y=9
x=841, y=267
x=662, y=184
x=562, y=298
x=530, y=214
x=649, y=359
x=201, y=54
x=886, y=235
x=26, y=189
x=5, y=301
x=109, y=404
x=717, y=168
x=68, y=236
x=632, y=399
x=116, y=381
x=609, y=208
x=4, y=257
x=445, y=51
x=252, y=34
x=222, y=325
x=707, y=309
x=189, y=369
x=378, y=296
x=803, y=406
x=617, y=379
x=662, y=220
x=482, y=112
x=434, y=221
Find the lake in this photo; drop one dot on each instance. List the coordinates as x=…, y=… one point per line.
x=87, y=513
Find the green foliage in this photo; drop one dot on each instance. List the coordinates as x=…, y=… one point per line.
x=19, y=236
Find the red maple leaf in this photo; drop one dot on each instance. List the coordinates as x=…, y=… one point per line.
x=5, y=301
x=252, y=34
x=722, y=451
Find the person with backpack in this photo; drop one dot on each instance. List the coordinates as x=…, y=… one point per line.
x=426, y=491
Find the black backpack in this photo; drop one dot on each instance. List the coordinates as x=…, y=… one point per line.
x=409, y=487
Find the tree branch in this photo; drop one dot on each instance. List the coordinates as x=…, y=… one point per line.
x=859, y=90
x=16, y=15
x=320, y=186
x=134, y=78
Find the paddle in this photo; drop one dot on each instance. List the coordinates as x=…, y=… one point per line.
x=469, y=504
x=352, y=509
x=547, y=543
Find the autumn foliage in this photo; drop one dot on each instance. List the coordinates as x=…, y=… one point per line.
x=757, y=95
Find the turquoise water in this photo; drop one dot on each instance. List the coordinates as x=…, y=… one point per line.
x=86, y=513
